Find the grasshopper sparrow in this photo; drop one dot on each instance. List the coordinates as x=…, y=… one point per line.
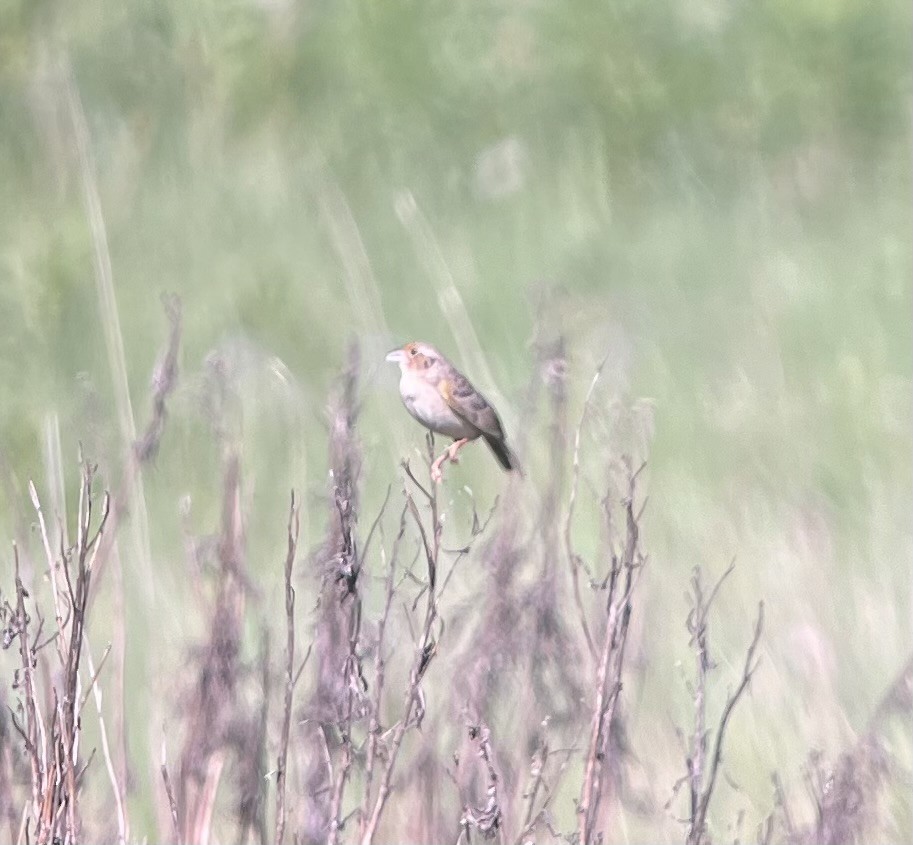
x=441, y=398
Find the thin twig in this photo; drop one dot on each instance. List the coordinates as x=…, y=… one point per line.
x=93, y=675
x=424, y=653
x=611, y=664
x=573, y=557
x=31, y=717
x=282, y=761
x=698, y=824
x=380, y=664
x=169, y=791
x=123, y=825
x=537, y=773
x=52, y=569
x=488, y=820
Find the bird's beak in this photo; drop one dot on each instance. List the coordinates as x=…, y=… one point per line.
x=397, y=356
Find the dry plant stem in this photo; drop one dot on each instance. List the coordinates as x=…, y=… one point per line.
x=53, y=751
x=208, y=795
x=848, y=789
x=354, y=691
x=294, y=525
x=213, y=699
x=611, y=665
x=537, y=772
x=169, y=792
x=142, y=450
x=79, y=598
x=52, y=568
x=31, y=709
x=8, y=802
x=251, y=780
x=701, y=782
x=488, y=819
x=123, y=826
x=336, y=567
x=550, y=631
x=355, y=684
x=424, y=653
x=781, y=803
x=572, y=556
x=172, y=804
x=110, y=321
x=380, y=666
x=697, y=626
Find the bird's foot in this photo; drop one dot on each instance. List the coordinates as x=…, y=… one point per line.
x=437, y=474
x=449, y=454
x=453, y=448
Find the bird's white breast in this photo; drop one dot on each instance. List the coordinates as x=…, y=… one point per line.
x=426, y=404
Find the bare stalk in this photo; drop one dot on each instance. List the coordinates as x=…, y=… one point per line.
x=294, y=525
x=574, y=559
x=52, y=740
x=110, y=321
x=488, y=820
x=380, y=666
x=355, y=690
x=610, y=669
x=26, y=655
x=123, y=826
x=702, y=782
x=172, y=803
x=425, y=650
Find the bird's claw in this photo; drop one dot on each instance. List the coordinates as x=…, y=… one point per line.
x=436, y=474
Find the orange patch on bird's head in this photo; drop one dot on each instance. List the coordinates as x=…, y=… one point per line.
x=415, y=356
x=419, y=356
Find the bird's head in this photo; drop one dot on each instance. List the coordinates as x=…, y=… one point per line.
x=416, y=356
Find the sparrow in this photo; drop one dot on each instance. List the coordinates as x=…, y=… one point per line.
x=442, y=399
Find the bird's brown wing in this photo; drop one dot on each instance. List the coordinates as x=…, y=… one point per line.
x=466, y=402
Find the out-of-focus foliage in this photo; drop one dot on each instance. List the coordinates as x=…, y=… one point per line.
x=719, y=192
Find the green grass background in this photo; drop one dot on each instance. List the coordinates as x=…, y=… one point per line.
x=717, y=195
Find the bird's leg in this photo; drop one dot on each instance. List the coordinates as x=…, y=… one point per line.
x=449, y=454
x=455, y=447
x=436, y=474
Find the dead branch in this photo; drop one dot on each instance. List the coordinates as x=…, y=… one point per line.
x=215, y=726
x=537, y=780
x=556, y=681
x=8, y=806
x=356, y=687
x=294, y=525
x=338, y=568
x=143, y=450
x=845, y=793
x=701, y=783
x=123, y=825
x=169, y=792
x=380, y=664
x=488, y=820
x=575, y=561
x=425, y=650
x=26, y=654
x=51, y=739
x=611, y=666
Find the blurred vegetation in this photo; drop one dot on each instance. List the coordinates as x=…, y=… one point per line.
x=716, y=194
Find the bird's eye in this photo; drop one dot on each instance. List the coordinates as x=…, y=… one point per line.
x=413, y=351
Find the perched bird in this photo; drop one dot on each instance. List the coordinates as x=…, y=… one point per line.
x=441, y=398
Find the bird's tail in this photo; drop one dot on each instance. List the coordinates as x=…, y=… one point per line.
x=504, y=454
